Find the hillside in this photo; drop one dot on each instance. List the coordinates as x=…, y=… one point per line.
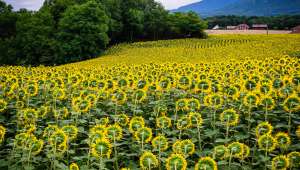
x=243, y=7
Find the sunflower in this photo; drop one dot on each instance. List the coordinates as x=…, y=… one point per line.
x=143, y=134
x=71, y=131
x=246, y=151
x=114, y=132
x=163, y=122
x=73, y=166
x=263, y=128
x=176, y=162
x=298, y=131
x=195, y=119
x=148, y=161
x=28, y=115
x=104, y=121
x=3, y=105
x=220, y=152
x=160, y=143
x=206, y=163
x=101, y=148
x=36, y=146
x=251, y=99
x=49, y=130
x=136, y=123
x=43, y=111
x=181, y=104
x=250, y=85
x=214, y=100
x=187, y=147
x=280, y=163
x=184, y=82
x=267, y=143
x=193, y=104
x=58, y=140
x=122, y=119
x=294, y=158
x=99, y=128
x=176, y=147
x=229, y=117
x=267, y=102
x=236, y=149
x=292, y=104
x=2, y=133
x=183, y=123
x=203, y=86
x=139, y=95
x=283, y=140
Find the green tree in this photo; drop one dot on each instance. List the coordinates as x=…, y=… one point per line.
x=83, y=32
x=34, y=41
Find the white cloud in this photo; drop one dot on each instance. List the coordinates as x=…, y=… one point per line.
x=173, y=4
x=28, y=4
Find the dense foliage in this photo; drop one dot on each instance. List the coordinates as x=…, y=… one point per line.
x=72, y=30
x=222, y=108
x=281, y=22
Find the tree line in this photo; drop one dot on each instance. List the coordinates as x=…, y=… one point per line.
x=64, y=31
x=282, y=22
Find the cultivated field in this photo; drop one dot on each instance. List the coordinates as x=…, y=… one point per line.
x=221, y=32
x=227, y=102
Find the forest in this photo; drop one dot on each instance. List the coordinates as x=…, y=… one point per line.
x=64, y=31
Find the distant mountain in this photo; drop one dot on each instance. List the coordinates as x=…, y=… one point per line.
x=243, y=7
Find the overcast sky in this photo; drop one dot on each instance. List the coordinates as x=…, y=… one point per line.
x=35, y=4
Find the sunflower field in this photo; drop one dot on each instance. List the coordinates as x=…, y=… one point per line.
x=227, y=102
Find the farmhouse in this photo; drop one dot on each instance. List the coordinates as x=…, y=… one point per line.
x=296, y=30
x=231, y=27
x=216, y=27
x=260, y=26
x=242, y=27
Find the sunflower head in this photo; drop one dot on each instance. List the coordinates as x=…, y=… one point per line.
x=136, y=123
x=236, y=149
x=206, y=163
x=195, y=119
x=283, y=140
x=298, y=131
x=148, y=161
x=187, y=147
x=71, y=131
x=143, y=134
x=251, y=100
x=229, y=117
x=267, y=143
x=280, y=162
x=294, y=158
x=193, y=104
x=263, y=128
x=181, y=104
x=292, y=103
x=160, y=143
x=101, y=148
x=59, y=137
x=114, y=132
x=36, y=146
x=176, y=162
x=3, y=105
x=267, y=102
x=2, y=133
x=183, y=123
x=163, y=122
x=73, y=166
x=220, y=152
x=122, y=119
